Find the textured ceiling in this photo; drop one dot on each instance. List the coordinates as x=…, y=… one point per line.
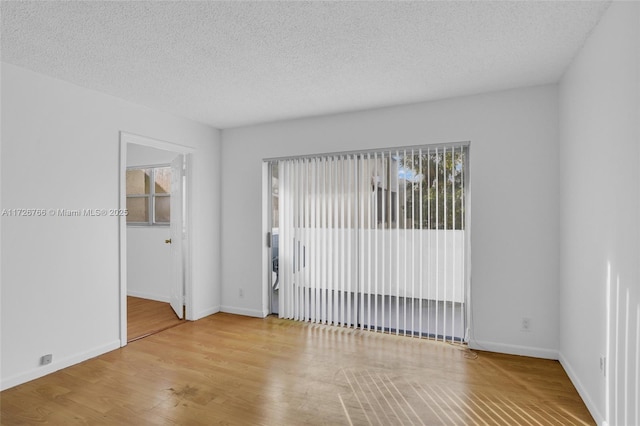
x=237, y=63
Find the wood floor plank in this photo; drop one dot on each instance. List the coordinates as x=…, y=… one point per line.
x=146, y=317
x=232, y=370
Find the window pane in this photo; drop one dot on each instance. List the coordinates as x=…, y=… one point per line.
x=163, y=180
x=162, y=209
x=138, y=181
x=138, y=208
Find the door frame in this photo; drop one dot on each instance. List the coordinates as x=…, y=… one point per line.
x=267, y=225
x=130, y=138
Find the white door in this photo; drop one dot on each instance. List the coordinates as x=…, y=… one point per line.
x=177, y=232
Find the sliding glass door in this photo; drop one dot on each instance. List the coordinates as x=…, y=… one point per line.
x=376, y=240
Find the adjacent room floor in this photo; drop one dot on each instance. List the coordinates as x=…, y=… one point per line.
x=146, y=317
x=228, y=369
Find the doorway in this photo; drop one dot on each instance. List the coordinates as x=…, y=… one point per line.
x=154, y=236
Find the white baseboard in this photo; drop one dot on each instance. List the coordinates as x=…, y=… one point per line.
x=242, y=311
x=41, y=371
x=206, y=312
x=514, y=349
x=597, y=416
x=150, y=296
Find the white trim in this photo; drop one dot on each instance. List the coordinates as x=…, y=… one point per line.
x=505, y=348
x=593, y=409
x=156, y=143
x=127, y=138
x=149, y=166
x=122, y=239
x=188, y=247
x=41, y=371
x=242, y=311
x=267, y=197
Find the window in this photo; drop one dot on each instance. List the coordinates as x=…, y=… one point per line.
x=429, y=184
x=375, y=240
x=149, y=195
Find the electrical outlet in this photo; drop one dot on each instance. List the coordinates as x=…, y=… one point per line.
x=526, y=324
x=241, y=293
x=46, y=359
x=603, y=365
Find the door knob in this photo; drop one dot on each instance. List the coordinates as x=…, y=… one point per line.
x=167, y=241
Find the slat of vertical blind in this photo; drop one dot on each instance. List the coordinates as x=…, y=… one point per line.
x=348, y=218
x=289, y=236
x=429, y=256
x=315, y=250
x=325, y=249
x=339, y=231
x=404, y=247
x=343, y=196
x=437, y=260
x=383, y=243
x=302, y=232
x=364, y=284
x=369, y=198
x=296, y=236
x=294, y=239
x=315, y=315
x=396, y=215
x=302, y=300
x=413, y=249
x=288, y=266
x=421, y=282
x=453, y=248
x=339, y=255
x=445, y=251
x=298, y=240
x=374, y=265
x=281, y=217
x=330, y=239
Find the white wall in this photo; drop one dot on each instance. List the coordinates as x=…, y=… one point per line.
x=148, y=257
x=600, y=184
x=60, y=275
x=514, y=201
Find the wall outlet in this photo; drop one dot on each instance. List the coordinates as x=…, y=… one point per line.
x=526, y=324
x=241, y=293
x=46, y=359
x=603, y=365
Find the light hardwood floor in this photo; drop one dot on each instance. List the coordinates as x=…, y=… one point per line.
x=227, y=369
x=146, y=317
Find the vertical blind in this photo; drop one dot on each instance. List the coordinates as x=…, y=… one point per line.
x=376, y=240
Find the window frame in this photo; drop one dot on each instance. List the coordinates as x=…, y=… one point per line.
x=151, y=196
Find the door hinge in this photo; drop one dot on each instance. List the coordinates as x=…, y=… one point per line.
x=269, y=239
